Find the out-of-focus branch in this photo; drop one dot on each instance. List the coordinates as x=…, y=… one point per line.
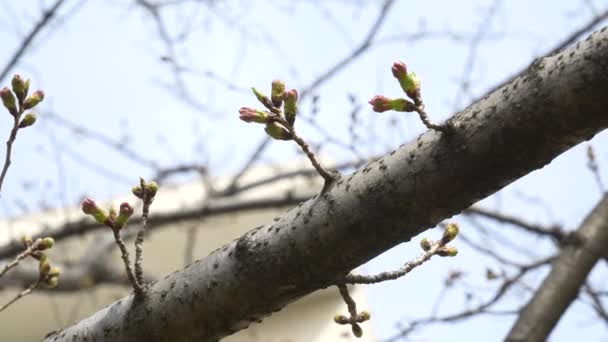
x=568, y=274
x=47, y=15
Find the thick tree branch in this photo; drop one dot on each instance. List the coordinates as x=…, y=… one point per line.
x=559, y=102
x=568, y=274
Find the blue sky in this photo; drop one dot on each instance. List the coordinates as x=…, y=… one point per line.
x=101, y=69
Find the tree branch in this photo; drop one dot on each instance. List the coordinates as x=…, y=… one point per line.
x=568, y=274
x=559, y=102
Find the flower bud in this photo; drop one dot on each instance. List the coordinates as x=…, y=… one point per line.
x=399, y=70
x=341, y=319
x=89, y=207
x=151, y=189
x=8, y=100
x=124, y=213
x=382, y=104
x=426, y=244
x=363, y=316
x=278, y=132
x=137, y=191
x=253, y=115
x=357, y=331
x=33, y=99
x=278, y=88
x=447, y=251
x=291, y=105
x=27, y=239
x=450, y=233
x=411, y=86
x=44, y=267
x=52, y=282
x=54, y=271
x=262, y=98
x=20, y=87
x=46, y=243
x=28, y=120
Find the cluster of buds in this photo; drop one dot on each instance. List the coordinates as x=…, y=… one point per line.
x=449, y=234
x=279, y=123
x=353, y=321
x=145, y=191
x=410, y=84
x=48, y=275
x=111, y=218
x=17, y=101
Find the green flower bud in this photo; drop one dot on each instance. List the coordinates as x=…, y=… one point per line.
x=137, y=191
x=363, y=316
x=54, y=271
x=426, y=244
x=278, y=88
x=357, y=331
x=52, y=282
x=341, y=319
x=46, y=243
x=20, y=87
x=27, y=239
x=450, y=233
x=447, y=251
x=291, y=105
x=278, y=132
x=28, y=120
x=44, y=267
x=151, y=189
x=262, y=98
x=8, y=100
x=411, y=86
x=33, y=99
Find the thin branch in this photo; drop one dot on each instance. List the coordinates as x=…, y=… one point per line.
x=47, y=15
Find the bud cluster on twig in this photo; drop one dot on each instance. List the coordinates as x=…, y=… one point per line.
x=410, y=84
x=48, y=275
x=429, y=247
x=146, y=191
x=280, y=123
x=17, y=102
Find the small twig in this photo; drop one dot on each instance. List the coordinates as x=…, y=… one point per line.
x=20, y=295
x=424, y=117
x=355, y=318
x=430, y=248
x=9, y=146
x=147, y=196
x=328, y=177
x=124, y=254
x=594, y=168
x=47, y=15
x=28, y=251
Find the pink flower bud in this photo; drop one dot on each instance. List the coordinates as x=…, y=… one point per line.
x=89, y=206
x=399, y=70
x=380, y=103
x=253, y=115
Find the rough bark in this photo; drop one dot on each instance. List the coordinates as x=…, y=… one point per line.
x=557, y=103
x=568, y=274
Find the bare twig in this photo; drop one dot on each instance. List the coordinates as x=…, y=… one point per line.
x=47, y=15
